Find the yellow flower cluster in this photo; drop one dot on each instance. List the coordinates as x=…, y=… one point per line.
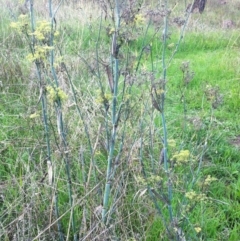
x=22, y=25
x=192, y=195
x=56, y=93
x=58, y=61
x=198, y=229
x=140, y=180
x=209, y=180
x=182, y=157
x=41, y=34
x=42, y=31
x=153, y=179
x=103, y=98
x=40, y=53
x=139, y=19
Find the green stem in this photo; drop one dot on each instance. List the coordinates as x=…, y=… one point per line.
x=112, y=144
x=100, y=83
x=180, y=37
x=165, y=138
x=115, y=117
x=61, y=128
x=45, y=119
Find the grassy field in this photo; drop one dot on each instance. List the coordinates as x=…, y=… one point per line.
x=127, y=134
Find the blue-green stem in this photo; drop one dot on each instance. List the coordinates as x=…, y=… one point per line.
x=112, y=144
x=101, y=85
x=45, y=119
x=180, y=37
x=115, y=118
x=165, y=138
x=61, y=128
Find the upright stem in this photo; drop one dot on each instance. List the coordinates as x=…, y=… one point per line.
x=60, y=125
x=165, y=143
x=115, y=117
x=45, y=119
x=112, y=143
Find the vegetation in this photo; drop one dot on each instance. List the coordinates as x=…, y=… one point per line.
x=119, y=121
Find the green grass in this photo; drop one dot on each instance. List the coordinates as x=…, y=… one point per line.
x=213, y=59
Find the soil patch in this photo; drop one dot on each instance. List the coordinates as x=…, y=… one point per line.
x=236, y=141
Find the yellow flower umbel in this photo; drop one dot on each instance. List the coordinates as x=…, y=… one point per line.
x=22, y=25
x=103, y=98
x=209, y=180
x=193, y=196
x=40, y=53
x=56, y=93
x=182, y=157
x=42, y=31
x=198, y=229
x=206, y=182
x=139, y=19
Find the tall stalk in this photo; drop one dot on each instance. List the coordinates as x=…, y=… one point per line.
x=60, y=124
x=165, y=138
x=43, y=99
x=114, y=115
